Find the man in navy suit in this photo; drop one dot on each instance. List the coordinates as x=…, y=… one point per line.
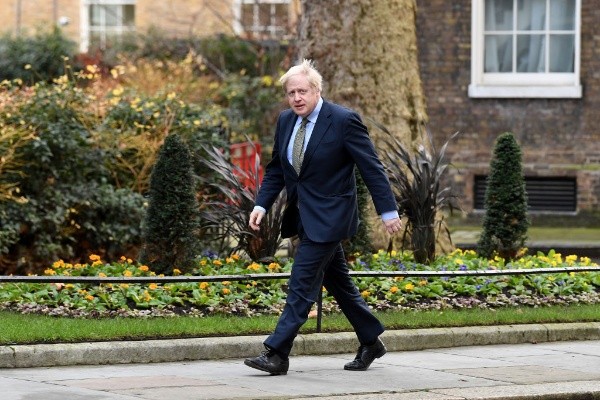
x=322, y=210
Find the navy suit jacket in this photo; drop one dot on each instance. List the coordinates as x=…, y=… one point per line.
x=324, y=194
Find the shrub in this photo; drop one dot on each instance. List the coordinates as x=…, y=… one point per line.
x=227, y=213
x=505, y=222
x=419, y=194
x=41, y=57
x=171, y=223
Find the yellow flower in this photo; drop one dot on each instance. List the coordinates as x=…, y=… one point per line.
x=393, y=253
x=171, y=96
x=225, y=291
x=365, y=294
x=123, y=258
x=127, y=273
x=399, y=278
x=89, y=297
x=49, y=272
x=118, y=91
x=124, y=285
x=217, y=262
x=153, y=286
x=94, y=257
x=226, y=283
x=458, y=261
x=423, y=282
x=267, y=80
x=147, y=296
x=409, y=287
x=203, y=262
x=570, y=259
x=229, y=260
x=58, y=264
x=254, y=267
x=394, y=289
x=274, y=266
x=176, y=271
x=96, y=263
x=143, y=268
x=235, y=257
x=102, y=275
x=203, y=285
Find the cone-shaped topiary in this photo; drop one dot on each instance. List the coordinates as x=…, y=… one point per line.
x=505, y=222
x=171, y=224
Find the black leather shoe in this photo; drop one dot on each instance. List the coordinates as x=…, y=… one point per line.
x=365, y=356
x=270, y=362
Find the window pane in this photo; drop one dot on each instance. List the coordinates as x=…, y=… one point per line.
x=531, y=15
x=281, y=15
x=95, y=15
x=264, y=14
x=112, y=15
x=129, y=15
x=531, y=53
x=247, y=15
x=562, y=53
x=498, y=15
x=498, y=53
x=562, y=14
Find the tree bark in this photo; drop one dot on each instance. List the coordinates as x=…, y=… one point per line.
x=366, y=51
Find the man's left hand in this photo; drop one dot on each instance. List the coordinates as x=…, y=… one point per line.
x=393, y=225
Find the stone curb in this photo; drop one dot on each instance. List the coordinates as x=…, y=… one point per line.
x=154, y=351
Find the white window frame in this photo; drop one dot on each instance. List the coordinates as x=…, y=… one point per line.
x=519, y=85
x=256, y=28
x=84, y=44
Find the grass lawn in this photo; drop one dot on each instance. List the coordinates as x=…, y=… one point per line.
x=582, y=236
x=18, y=328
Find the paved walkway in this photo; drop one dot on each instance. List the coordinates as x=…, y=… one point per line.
x=525, y=368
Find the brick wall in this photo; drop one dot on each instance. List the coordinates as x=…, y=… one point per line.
x=558, y=137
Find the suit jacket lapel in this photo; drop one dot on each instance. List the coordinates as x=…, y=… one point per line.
x=288, y=129
x=319, y=130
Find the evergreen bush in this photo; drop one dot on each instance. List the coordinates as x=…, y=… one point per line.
x=41, y=57
x=505, y=222
x=171, y=225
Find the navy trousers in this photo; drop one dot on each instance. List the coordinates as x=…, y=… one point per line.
x=316, y=265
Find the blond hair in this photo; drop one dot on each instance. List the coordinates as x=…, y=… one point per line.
x=307, y=68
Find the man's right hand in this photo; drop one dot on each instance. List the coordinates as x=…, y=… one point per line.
x=255, y=217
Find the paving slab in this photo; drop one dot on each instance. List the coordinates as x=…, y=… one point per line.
x=526, y=371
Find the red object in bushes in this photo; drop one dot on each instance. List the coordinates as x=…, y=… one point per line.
x=246, y=156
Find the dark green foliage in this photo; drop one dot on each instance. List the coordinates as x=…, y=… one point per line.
x=505, y=222
x=222, y=54
x=170, y=229
x=420, y=194
x=361, y=242
x=44, y=53
x=69, y=206
x=226, y=214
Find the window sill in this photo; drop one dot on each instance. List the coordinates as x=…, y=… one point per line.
x=523, y=92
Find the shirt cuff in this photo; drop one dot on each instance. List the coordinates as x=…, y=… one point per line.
x=386, y=216
x=260, y=209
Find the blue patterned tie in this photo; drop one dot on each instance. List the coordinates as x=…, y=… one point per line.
x=297, y=150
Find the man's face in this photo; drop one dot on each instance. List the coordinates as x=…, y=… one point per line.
x=301, y=96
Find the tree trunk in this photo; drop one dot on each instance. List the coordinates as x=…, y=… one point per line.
x=366, y=51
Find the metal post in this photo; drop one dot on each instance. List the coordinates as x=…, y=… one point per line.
x=319, y=309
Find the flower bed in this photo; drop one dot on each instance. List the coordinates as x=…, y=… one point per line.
x=251, y=297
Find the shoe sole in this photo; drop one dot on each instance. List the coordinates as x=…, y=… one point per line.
x=258, y=367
